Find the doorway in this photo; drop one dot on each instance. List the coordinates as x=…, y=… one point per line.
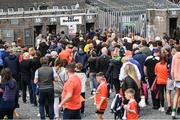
x=37, y=30
x=89, y=26
x=51, y=29
x=172, y=26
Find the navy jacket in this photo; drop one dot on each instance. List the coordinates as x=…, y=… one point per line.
x=81, y=57
x=141, y=58
x=12, y=63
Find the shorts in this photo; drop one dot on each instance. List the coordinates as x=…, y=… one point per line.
x=177, y=84
x=101, y=111
x=170, y=84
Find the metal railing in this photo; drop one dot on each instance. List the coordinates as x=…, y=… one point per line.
x=126, y=21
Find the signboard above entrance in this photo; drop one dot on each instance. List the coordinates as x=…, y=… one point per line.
x=71, y=20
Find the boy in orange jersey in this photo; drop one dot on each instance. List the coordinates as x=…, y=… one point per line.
x=101, y=96
x=131, y=108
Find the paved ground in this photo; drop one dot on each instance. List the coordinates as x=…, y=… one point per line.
x=28, y=111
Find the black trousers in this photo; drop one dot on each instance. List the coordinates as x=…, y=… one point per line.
x=116, y=83
x=46, y=97
x=155, y=101
x=24, y=84
x=161, y=89
x=71, y=114
x=83, y=103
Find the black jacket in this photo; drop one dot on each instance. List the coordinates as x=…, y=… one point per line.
x=35, y=64
x=25, y=69
x=130, y=83
x=114, y=68
x=92, y=64
x=43, y=47
x=102, y=63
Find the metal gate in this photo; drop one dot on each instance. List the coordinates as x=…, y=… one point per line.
x=126, y=21
x=28, y=37
x=7, y=35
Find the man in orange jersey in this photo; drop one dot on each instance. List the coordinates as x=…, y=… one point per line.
x=66, y=54
x=71, y=96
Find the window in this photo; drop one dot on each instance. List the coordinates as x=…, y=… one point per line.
x=1, y=11
x=14, y=21
x=73, y=7
x=55, y=7
x=64, y=7
x=20, y=9
x=10, y=10
x=43, y=7
x=31, y=9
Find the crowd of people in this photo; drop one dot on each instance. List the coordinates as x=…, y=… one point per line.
x=56, y=71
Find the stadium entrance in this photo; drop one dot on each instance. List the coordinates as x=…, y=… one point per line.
x=89, y=26
x=172, y=26
x=51, y=29
x=37, y=30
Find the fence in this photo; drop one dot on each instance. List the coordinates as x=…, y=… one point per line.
x=126, y=21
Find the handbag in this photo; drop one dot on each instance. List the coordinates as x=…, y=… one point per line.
x=58, y=87
x=154, y=86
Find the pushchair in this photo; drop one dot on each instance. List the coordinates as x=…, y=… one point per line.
x=117, y=107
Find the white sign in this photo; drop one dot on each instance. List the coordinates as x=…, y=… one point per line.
x=89, y=17
x=173, y=13
x=71, y=20
x=38, y=20
x=72, y=29
x=53, y=19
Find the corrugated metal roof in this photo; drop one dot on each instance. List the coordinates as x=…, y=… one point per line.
x=134, y=4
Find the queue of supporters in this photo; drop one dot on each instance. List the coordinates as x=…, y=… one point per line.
x=56, y=70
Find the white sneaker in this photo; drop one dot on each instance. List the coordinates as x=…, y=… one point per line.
x=161, y=109
x=38, y=115
x=173, y=114
x=142, y=103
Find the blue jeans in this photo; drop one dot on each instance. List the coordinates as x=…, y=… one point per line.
x=92, y=77
x=46, y=95
x=34, y=93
